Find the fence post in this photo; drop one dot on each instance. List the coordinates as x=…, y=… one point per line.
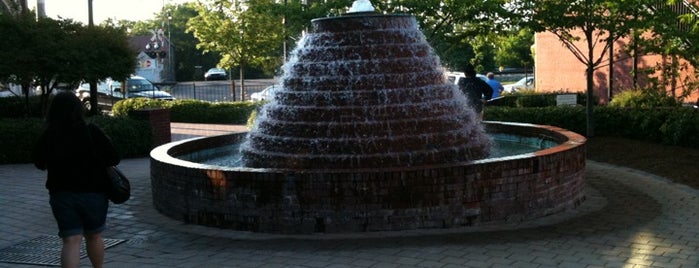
x=233, y=89
x=194, y=89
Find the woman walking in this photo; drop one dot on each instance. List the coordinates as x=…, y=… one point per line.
x=75, y=154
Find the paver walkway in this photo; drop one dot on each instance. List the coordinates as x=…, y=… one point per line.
x=630, y=219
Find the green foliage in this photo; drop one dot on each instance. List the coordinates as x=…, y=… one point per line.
x=233, y=30
x=17, y=138
x=251, y=120
x=515, y=50
x=454, y=27
x=672, y=126
x=126, y=106
x=586, y=28
x=531, y=98
x=13, y=107
x=571, y=118
x=681, y=127
x=643, y=98
x=193, y=111
x=46, y=52
x=131, y=137
x=185, y=44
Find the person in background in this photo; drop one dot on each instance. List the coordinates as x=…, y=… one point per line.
x=75, y=154
x=476, y=90
x=495, y=84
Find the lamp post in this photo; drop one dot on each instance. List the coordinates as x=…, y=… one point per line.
x=284, y=31
x=171, y=69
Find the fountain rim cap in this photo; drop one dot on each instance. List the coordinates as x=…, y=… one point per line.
x=355, y=15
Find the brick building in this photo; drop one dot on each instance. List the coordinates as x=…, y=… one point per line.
x=557, y=69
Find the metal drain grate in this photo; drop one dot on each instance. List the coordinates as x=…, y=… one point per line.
x=43, y=250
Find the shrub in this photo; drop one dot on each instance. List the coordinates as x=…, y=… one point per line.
x=681, y=127
x=643, y=98
x=131, y=137
x=194, y=111
x=17, y=139
x=126, y=106
x=14, y=107
x=568, y=117
x=530, y=98
x=672, y=126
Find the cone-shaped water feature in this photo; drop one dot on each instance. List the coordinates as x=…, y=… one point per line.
x=364, y=90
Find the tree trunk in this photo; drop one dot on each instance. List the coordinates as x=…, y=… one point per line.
x=589, y=72
x=243, y=92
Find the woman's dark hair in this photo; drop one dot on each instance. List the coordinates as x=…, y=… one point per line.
x=469, y=70
x=65, y=109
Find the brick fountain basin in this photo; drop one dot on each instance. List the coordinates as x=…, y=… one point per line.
x=489, y=191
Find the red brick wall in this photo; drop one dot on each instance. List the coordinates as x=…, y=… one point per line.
x=159, y=120
x=557, y=69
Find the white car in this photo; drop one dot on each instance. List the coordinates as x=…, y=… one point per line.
x=454, y=77
x=110, y=91
x=522, y=84
x=265, y=94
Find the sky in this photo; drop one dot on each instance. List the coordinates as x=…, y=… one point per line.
x=134, y=10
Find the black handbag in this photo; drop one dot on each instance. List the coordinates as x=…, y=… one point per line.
x=119, y=186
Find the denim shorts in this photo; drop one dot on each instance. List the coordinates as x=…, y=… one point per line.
x=79, y=213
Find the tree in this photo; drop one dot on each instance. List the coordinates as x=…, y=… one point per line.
x=102, y=52
x=672, y=30
x=17, y=64
x=597, y=23
x=74, y=53
x=515, y=50
x=234, y=30
x=452, y=27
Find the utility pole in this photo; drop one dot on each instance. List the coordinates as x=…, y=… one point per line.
x=94, y=109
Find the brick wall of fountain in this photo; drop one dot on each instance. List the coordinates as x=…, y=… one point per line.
x=483, y=192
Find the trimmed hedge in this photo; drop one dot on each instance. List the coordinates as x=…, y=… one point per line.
x=17, y=139
x=192, y=111
x=672, y=126
x=15, y=107
x=530, y=98
x=131, y=137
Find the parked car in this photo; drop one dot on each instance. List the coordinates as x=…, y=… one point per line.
x=111, y=91
x=454, y=77
x=215, y=74
x=265, y=94
x=525, y=83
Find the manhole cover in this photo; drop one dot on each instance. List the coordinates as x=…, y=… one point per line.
x=43, y=250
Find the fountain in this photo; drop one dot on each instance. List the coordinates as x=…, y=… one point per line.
x=366, y=134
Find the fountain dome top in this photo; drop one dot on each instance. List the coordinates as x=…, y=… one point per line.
x=361, y=6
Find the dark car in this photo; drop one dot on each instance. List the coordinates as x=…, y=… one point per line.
x=110, y=91
x=215, y=74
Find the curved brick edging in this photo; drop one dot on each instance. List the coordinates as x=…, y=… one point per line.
x=488, y=191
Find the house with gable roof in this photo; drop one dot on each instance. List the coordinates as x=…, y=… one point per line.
x=155, y=57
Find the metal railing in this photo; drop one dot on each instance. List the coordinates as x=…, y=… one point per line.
x=213, y=92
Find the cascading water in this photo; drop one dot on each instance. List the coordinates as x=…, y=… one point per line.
x=364, y=90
